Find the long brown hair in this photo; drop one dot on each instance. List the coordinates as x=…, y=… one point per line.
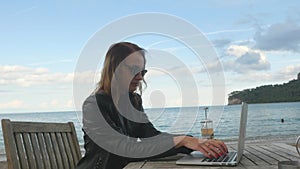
x=114, y=56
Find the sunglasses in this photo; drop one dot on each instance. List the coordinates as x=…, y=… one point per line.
x=135, y=70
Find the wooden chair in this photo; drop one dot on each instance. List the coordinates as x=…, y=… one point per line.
x=35, y=145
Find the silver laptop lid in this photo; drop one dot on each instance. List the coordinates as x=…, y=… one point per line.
x=242, y=133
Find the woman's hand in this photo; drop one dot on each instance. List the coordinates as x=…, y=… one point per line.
x=209, y=147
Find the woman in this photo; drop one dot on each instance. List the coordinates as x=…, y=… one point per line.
x=116, y=129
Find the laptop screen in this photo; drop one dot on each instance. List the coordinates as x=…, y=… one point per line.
x=242, y=133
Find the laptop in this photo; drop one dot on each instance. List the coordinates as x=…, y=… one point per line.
x=231, y=159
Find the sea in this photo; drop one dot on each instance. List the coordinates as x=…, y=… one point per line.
x=264, y=120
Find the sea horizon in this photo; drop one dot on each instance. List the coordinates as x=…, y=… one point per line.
x=265, y=118
x=145, y=108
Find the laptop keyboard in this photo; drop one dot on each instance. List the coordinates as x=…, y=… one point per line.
x=224, y=158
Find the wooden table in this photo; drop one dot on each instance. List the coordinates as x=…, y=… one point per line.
x=255, y=156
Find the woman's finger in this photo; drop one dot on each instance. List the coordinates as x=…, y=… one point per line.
x=220, y=146
x=205, y=153
x=211, y=150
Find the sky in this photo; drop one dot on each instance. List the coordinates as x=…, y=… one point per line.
x=42, y=42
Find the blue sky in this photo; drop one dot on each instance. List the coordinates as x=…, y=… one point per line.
x=257, y=43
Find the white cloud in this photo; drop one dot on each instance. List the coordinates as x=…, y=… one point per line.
x=255, y=77
x=246, y=60
x=57, y=104
x=228, y=31
x=282, y=76
x=70, y=104
x=280, y=36
x=237, y=51
x=87, y=77
x=210, y=68
x=14, y=68
x=27, y=76
x=14, y=104
x=290, y=71
x=51, y=62
x=54, y=103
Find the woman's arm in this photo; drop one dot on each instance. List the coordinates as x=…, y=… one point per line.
x=108, y=137
x=210, y=148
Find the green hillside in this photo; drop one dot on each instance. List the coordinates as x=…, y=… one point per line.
x=287, y=92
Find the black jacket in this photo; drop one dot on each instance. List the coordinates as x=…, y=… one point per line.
x=112, y=139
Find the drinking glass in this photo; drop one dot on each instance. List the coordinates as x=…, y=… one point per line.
x=207, y=130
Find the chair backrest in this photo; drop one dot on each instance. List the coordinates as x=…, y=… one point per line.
x=36, y=145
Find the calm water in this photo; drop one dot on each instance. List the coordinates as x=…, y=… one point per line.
x=263, y=120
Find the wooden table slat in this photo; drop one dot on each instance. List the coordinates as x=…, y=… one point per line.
x=265, y=156
x=272, y=155
x=284, y=153
x=291, y=150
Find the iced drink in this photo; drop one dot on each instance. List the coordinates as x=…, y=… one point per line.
x=207, y=130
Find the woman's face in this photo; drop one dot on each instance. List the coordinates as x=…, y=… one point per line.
x=133, y=66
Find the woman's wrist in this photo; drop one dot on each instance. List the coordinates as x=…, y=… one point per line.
x=179, y=141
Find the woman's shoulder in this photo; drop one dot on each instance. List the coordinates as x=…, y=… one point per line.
x=99, y=98
x=102, y=94
x=103, y=98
